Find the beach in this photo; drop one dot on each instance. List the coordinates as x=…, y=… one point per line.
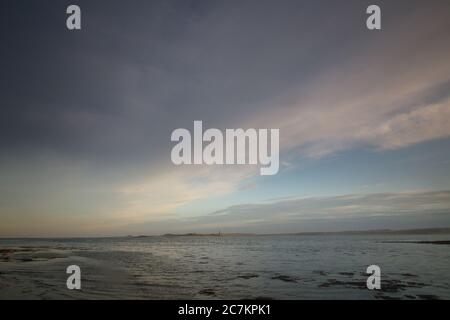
x=227, y=267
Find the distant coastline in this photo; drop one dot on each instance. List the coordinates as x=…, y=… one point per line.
x=423, y=231
x=347, y=232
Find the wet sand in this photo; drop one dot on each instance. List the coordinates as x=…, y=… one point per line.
x=225, y=268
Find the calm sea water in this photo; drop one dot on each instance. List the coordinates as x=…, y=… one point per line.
x=247, y=267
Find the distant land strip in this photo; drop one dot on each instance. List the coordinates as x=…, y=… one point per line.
x=423, y=231
x=347, y=232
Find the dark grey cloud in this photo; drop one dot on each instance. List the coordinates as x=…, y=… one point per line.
x=114, y=90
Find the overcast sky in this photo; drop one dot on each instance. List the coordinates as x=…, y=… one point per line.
x=86, y=116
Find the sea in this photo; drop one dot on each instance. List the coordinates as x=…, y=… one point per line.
x=227, y=267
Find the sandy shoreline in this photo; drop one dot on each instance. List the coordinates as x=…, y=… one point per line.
x=196, y=269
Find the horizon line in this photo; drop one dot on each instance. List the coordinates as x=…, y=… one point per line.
x=444, y=230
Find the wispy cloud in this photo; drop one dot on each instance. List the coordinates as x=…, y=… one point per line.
x=421, y=124
x=391, y=92
x=160, y=194
x=358, y=211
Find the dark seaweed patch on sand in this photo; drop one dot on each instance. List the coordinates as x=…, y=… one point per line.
x=207, y=292
x=248, y=276
x=391, y=286
x=284, y=278
x=439, y=242
x=349, y=274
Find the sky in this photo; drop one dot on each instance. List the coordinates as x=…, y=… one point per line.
x=86, y=116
